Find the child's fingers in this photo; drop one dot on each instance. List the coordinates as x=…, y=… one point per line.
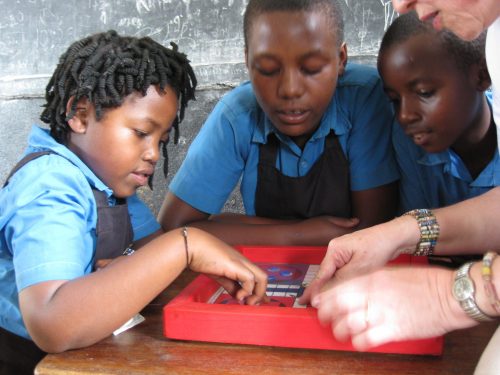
x=260, y=278
x=346, y=223
x=229, y=285
x=245, y=281
x=255, y=300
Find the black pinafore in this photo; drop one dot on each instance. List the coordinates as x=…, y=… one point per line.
x=114, y=234
x=324, y=190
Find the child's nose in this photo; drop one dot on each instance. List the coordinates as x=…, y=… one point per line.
x=406, y=114
x=152, y=153
x=290, y=85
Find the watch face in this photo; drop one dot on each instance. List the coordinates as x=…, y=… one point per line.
x=463, y=289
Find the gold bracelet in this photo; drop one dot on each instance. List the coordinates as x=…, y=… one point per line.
x=185, y=236
x=489, y=287
x=429, y=231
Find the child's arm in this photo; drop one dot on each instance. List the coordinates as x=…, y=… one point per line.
x=67, y=314
x=255, y=231
x=375, y=206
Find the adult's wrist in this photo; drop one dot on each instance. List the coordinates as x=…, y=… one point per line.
x=453, y=315
x=429, y=231
x=407, y=233
x=482, y=299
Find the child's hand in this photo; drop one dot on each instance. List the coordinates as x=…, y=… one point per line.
x=240, y=277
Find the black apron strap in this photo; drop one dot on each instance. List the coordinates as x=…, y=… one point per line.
x=324, y=190
x=114, y=228
x=21, y=163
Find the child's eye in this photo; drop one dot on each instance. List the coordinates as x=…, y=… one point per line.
x=267, y=72
x=425, y=93
x=140, y=133
x=312, y=70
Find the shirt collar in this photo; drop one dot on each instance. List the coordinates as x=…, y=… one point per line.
x=453, y=164
x=333, y=119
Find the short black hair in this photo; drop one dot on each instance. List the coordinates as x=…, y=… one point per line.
x=331, y=7
x=105, y=68
x=464, y=53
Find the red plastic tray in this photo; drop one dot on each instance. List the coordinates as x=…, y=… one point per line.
x=189, y=317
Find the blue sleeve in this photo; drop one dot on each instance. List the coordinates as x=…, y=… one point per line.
x=411, y=192
x=50, y=222
x=143, y=221
x=369, y=148
x=214, y=162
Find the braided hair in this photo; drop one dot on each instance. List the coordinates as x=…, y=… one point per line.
x=105, y=68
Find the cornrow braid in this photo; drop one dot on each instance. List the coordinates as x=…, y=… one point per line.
x=105, y=68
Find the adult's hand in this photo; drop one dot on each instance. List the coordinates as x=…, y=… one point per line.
x=363, y=251
x=391, y=304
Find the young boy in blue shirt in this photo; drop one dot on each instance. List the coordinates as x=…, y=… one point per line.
x=308, y=138
x=110, y=105
x=445, y=134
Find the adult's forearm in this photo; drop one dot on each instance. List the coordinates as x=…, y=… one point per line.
x=471, y=226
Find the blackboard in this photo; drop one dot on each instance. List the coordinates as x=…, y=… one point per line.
x=35, y=32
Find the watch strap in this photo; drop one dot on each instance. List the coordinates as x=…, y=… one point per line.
x=469, y=304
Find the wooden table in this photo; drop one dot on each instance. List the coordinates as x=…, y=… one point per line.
x=144, y=350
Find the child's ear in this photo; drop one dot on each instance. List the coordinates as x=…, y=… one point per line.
x=483, y=78
x=246, y=57
x=342, y=58
x=78, y=122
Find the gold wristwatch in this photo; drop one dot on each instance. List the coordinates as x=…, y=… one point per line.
x=463, y=291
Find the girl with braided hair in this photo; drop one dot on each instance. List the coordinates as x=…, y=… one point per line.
x=70, y=203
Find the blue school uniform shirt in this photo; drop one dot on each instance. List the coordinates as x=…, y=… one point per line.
x=48, y=218
x=226, y=150
x=432, y=180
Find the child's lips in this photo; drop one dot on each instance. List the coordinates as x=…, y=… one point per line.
x=421, y=138
x=141, y=178
x=293, y=116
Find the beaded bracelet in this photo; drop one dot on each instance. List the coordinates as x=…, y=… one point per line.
x=429, y=231
x=486, y=274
